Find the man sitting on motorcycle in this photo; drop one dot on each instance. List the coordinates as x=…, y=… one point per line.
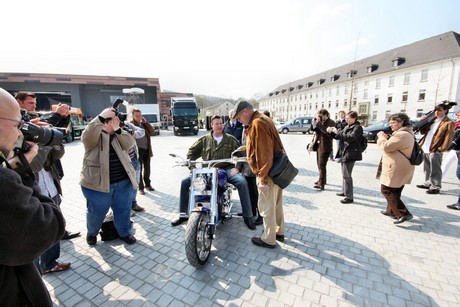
x=216, y=145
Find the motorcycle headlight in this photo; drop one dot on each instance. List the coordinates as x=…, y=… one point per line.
x=199, y=184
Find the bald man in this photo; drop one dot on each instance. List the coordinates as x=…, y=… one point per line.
x=31, y=223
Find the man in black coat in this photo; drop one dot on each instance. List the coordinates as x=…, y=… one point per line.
x=31, y=223
x=320, y=124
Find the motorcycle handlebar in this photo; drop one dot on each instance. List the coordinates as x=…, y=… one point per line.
x=209, y=163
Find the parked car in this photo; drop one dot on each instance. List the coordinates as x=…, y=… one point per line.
x=370, y=132
x=299, y=124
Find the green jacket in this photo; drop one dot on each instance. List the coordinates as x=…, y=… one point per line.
x=206, y=148
x=95, y=172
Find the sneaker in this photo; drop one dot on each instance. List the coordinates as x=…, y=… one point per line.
x=129, y=239
x=454, y=207
x=91, y=240
x=179, y=221
x=422, y=186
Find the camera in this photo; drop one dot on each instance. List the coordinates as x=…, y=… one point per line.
x=122, y=116
x=40, y=135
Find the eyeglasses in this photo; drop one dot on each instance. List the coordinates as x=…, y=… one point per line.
x=20, y=122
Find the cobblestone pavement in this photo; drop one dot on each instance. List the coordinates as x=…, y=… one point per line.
x=334, y=254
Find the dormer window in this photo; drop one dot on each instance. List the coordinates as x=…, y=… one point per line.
x=351, y=73
x=271, y=94
x=309, y=84
x=335, y=78
x=291, y=88
x=372, y=68
x=299, y=86
x=283, y=90
x=320, y=81
x=398, y=61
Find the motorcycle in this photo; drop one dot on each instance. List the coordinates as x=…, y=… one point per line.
x=210, y=203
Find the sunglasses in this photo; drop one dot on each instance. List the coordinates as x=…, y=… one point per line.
x=20, y=122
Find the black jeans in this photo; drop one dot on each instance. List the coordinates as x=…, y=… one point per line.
x=144, y=159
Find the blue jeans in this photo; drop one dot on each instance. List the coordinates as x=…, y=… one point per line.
x=98, y=204
x=47, y=260
x=238, y=181
x=137, y=167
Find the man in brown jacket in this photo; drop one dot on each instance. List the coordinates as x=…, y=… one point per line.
x=436, y=140
x=320, y=124
x=262, y=141
x=145, y=150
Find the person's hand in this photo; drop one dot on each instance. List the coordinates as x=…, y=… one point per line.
x=422, y=117
x=63, y=109
x=234, y=171
x=36, y=121
x=143, y=120
x=263, y=187
x=382, y=134
x=33, y=151
x=115, y=122
x=107, y=113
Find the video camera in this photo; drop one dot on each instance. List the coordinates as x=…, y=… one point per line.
x=431, y=116
x=122, y=116
x=41, y=135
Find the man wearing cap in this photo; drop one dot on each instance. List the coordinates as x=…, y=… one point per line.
x=262, y=141
x=436, y=140
x=213, y=146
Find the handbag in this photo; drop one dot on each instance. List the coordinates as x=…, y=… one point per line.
x=313, y=145
x=282, y=172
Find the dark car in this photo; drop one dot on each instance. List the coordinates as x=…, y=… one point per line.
x=370, y=132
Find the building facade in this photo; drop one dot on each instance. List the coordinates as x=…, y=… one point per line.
x=411, y=79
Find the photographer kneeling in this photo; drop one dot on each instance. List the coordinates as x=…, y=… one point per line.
x=31, y=223
x=107, y=178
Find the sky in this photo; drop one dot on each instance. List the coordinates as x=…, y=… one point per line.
x=230, y=49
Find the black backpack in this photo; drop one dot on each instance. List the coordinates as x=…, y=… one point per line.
x=362, y=143
x=416, y=157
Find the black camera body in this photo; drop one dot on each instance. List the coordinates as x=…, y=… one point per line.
x=431, y=116
x=122, y=116
x=41, y=135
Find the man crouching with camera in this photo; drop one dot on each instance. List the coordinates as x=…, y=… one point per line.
x=31, y=223
x=107, y=178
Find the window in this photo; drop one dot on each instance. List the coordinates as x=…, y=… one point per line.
x=387, y=114
x=377, y=83
x=374, y=115
x=391, y=81
x=329, y=104
x=366, y=83
x=354, y=102
x=345, y=103
x=419, y=112
x=421, y=95
x=346, y=89
x=390, y=98
x=407, y=78
x=337, y=91
x=322, y=105
x=336, y=103
x=376, y=99
x=424, y=77
x=329, y=92
x=351, y=73
x=365, y=94
x=404, y=97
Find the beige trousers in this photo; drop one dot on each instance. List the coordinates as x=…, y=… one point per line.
x=271, y=209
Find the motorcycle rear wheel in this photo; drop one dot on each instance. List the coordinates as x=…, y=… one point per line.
x=197, y=241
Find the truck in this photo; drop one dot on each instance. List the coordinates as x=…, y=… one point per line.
x=184, y=114
x=151, y=112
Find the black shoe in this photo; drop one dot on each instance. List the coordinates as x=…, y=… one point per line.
x=70, y=235
x=280, y=238
x=240, y=214
x=318, y=187
x=141, y=191
x=91, y=240
x=346, y=200
x=248, y=221
x=340, y=194
x=454, y=207
x=422, y=186
x=149, y=188
x=258, y=241
x=403, y=218
x=384, y=212
x=179, y=221
x=432, y=191
x=259, y=221
x=138, y=208
x=130, y=239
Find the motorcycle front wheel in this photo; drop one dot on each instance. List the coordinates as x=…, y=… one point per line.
x=197, y=241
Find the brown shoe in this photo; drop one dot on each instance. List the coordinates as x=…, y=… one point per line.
x=141, y=191
x=138, y=208
x=58, y=268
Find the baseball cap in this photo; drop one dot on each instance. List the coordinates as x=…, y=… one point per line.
x=240, y=105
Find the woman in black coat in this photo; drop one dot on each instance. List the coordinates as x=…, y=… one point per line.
x=349, y=152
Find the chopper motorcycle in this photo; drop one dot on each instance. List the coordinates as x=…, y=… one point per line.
x=210, y=203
